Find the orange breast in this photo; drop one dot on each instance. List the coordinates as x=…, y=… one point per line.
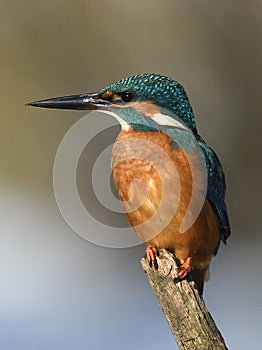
x=154, y=182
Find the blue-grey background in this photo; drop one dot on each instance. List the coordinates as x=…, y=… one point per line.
x=58, y=291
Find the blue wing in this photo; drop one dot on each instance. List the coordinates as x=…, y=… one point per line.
x=216, y=189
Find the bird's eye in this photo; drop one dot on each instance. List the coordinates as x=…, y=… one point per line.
x=127, y=96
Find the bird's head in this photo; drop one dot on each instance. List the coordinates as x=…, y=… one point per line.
x=143, y=101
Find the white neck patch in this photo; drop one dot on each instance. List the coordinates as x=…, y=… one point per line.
x=164, y=119
x=159, y=118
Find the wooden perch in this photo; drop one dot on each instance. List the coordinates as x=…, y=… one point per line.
x=185, y=311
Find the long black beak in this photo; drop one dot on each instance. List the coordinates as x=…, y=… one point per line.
x=83, y=101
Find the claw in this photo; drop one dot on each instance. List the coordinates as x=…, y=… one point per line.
x=185, y=268
x=151, y=254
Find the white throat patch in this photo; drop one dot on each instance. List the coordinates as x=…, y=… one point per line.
x=122, y=122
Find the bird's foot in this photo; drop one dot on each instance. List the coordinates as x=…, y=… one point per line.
x=151, y=254
x=185, y=268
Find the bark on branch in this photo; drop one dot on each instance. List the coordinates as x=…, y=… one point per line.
x=184, y=309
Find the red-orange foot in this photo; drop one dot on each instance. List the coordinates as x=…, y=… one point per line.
x=151, y=254
x=185, y=268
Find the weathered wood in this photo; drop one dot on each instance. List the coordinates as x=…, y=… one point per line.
x=185, y=311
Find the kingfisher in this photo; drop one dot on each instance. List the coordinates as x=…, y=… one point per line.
x=159, y=161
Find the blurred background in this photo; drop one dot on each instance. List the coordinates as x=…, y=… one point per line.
x=59, y=291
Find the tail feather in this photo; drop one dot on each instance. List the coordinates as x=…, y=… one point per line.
x=199, y=277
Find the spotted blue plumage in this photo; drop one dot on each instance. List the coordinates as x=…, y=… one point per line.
x=164, y=91
x=172, y=98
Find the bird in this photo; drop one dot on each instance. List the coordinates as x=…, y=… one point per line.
x=158, y=160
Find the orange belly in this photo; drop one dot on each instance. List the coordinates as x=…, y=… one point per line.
x=156, y=211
